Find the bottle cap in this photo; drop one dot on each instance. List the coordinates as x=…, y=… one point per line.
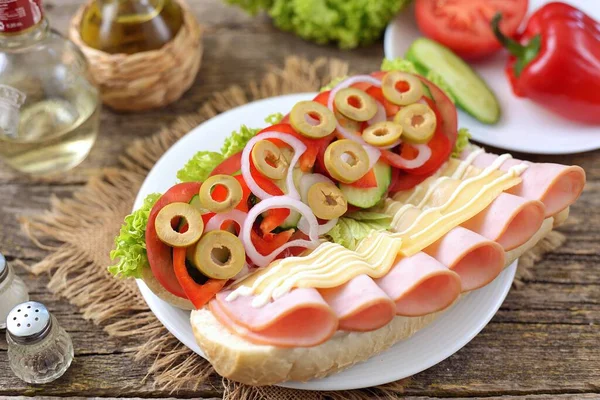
x=28, y=322
x=3, y=268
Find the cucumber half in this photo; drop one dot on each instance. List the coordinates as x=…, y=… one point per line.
x=470, y=90
x=369, y=197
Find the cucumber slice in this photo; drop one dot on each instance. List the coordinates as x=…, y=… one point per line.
x=366, y=198
x=470, y=90
x=195, y=202
x=292, y=220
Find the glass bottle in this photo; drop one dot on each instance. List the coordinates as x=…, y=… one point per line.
x=130, y=26
x=39, y=350
x=49, y=109
x=12, y=290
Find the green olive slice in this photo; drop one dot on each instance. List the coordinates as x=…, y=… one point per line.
x=346, y=160
x=232, y=199
x=355, y=104
x=411, y=91
x=350, y=125
x=168, y=235
x=219, y=255
x=326, y=200
x=312, y=119
x=418, y=123
x=382, y=133
x=269, y=160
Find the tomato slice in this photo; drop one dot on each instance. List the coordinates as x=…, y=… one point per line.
x=464, y=25
x=230, y=166
x=266, y=244
x=159, y=254
x=322, y=97
x=404, y=181
x=198, y=294
x=369, y=180
x=445, y=111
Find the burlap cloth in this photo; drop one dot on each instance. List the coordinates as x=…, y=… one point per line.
x=84, y=228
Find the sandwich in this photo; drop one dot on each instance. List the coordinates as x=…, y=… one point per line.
x=340, y=229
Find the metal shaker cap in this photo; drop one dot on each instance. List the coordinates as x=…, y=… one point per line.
x=3, y=268
x=28, y=322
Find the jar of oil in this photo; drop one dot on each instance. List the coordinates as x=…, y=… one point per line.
x=130, y=26
x=49, y=108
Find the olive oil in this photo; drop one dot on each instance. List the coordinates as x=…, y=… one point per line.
x=130, y=26
x=49, y=109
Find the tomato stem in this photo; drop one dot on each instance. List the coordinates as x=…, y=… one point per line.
x=524, y=53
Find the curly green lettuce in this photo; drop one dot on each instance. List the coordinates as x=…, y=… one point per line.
x=237, y=141
x=349, y=23
x=199, y=167
x=462, y=141
x=401, y=64
x=356, y=226
x=274, y=118
x=130, y=245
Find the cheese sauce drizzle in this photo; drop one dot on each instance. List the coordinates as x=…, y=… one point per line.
x=331, y=265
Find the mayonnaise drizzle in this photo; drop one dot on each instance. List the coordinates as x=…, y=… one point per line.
x=373, y=255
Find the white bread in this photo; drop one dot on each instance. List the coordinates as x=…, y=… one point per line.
x=240, y=360
x=163, y=293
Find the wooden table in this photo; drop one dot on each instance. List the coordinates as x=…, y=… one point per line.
x=543, y=343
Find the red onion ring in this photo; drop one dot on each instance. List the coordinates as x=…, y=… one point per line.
x=380, y=116
x=420, y=159
x=278, y=202
x=304, y=226
x=391, y=146
x=372, y=151
x=217, y=220
x=299, y=149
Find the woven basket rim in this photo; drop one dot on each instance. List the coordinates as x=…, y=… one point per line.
x=189, y=22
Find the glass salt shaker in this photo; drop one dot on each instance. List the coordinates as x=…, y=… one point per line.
x=12, y=290
x=39, y=350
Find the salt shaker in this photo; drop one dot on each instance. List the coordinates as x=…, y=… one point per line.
x=12, y=290
x=39, y=350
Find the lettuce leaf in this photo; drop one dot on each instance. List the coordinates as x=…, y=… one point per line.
x=398, y=64
x=462, y=141
x=356, y=226
x=237, y=141
x=199, y=167
x=274, y=118
x=130, y=245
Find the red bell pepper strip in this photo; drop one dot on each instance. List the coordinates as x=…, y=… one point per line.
x=556, y=61
x=267, y=243
x=198, y=294
x=159, y=254
x=369, y=180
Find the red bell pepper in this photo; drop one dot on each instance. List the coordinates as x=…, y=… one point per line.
x=555, y=61
x=198, y=294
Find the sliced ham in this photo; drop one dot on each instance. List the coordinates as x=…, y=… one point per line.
x=557, y=186
x=360, y=304
x=300, y=318
x=420, y=285
x=510, y=220
x=476, y=259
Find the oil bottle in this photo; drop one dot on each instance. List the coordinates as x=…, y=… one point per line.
x=130, y=26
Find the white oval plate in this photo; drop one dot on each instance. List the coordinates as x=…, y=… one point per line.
x=441, y=339
x=524, y=126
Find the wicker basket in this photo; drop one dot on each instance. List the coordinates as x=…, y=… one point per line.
x=150, y=79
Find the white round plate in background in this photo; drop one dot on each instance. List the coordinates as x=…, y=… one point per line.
x=524, y=126
x=438, y=341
